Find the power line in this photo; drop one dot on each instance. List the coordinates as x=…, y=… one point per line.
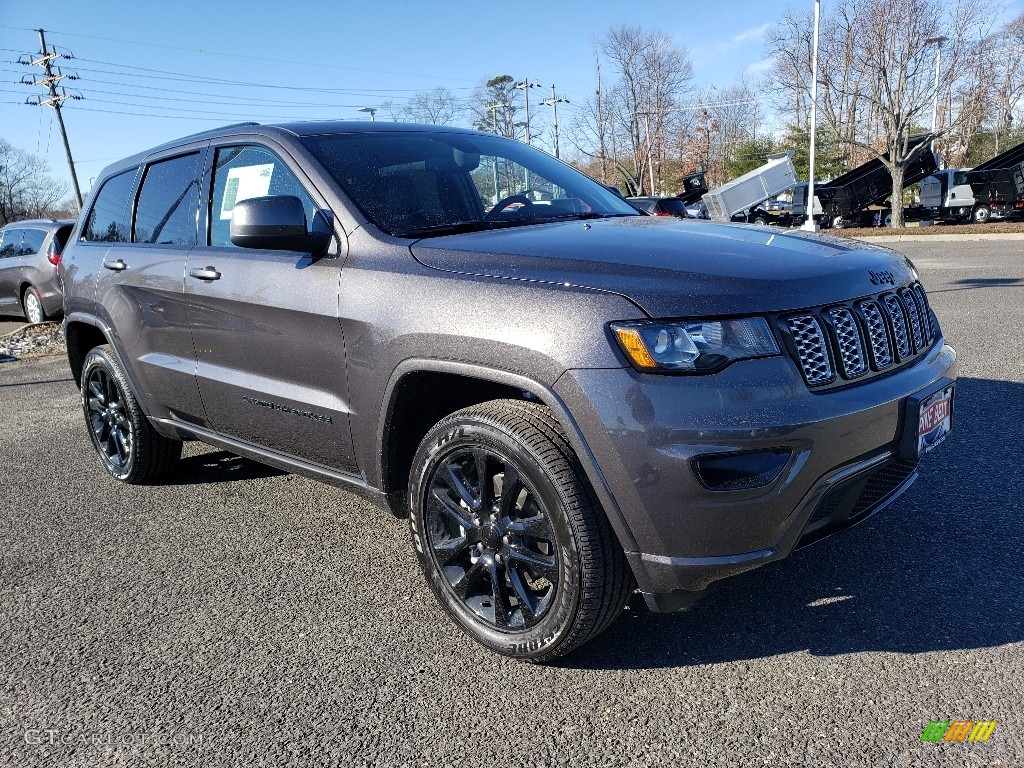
x=319, y=64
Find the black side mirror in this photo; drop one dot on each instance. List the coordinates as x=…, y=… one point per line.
x=278, y=223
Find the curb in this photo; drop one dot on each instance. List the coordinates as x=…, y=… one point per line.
x=940, y=238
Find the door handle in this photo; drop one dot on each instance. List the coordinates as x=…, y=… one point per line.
x=206, y=273
x=117, y=265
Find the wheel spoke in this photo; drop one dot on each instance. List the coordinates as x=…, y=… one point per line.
x=458, y=484
x=502, y=606
x=484, y=478
x=112, y=394
x=527, y=602
x=117, y=438
x=452, y=549
x=537, y=526
x=536, y=564
x=511, y=485
x=99, y=396
x=472, y=575
x=451, y=509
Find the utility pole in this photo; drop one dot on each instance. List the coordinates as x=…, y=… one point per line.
x=525, y=87
x=553, y=102
x=45, y=61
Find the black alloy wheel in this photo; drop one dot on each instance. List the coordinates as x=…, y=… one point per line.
x=489, y=535
x=508, y=533
x=108, y=422
x=129, y=447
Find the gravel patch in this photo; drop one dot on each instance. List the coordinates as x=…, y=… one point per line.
x=32, y=341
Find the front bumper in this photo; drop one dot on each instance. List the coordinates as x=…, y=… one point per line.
x=645, y=430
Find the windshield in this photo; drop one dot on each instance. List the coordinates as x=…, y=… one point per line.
x=416, y=184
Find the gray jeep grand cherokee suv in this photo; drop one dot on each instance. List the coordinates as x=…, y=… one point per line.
x=568, y=399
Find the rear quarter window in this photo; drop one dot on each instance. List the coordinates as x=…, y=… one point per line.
x=108, y=219
x=32, y=241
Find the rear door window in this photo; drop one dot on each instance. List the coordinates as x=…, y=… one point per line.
x=108, y=219
x=244, y=172
x=168, y=202
x=11, y=243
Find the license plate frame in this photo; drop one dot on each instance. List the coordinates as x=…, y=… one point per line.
x=934, y=419
x=921, y=411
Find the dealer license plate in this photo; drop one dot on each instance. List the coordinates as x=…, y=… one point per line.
x=935, y=420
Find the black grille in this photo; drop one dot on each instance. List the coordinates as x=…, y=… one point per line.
x=839, y=343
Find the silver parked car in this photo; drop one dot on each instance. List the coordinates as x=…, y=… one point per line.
x=30, y=253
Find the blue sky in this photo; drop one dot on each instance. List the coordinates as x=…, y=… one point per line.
x=356, y=54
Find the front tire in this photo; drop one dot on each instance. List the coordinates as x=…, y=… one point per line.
x=508, y=535
x=32, y=302
x=130, y=449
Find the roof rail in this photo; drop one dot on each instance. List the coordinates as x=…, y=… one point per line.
x=212, y=130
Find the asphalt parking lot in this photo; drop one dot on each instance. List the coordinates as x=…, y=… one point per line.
x=242, y=616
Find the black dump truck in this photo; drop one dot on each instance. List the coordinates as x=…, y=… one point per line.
x=998, y=186
x=847, y=200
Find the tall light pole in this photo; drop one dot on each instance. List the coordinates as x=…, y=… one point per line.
x=371, y=110
x=525, y=87
x=811, y=225
x=938, y=41
x=553, y=102
x=650, y=146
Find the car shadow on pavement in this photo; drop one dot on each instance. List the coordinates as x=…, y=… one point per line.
x=982, y=282
x=219, y=467
x=37, y=383
x=940, y=569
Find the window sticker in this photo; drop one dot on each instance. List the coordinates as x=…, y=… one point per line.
x=244, y=182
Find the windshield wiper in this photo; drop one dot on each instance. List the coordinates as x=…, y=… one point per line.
x=448, y=228
x=460, y=227
x=480, y=225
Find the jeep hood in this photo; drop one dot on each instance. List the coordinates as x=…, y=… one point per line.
x=676, y=268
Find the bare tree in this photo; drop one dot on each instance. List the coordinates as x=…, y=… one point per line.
x=26, y=188
x=632, y=122
x=437, y=107
x=877, y=74
x=1007, y=81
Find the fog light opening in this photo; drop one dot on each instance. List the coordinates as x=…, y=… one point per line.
x=742, y=470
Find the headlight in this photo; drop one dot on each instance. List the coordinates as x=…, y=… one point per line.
x=699, y=346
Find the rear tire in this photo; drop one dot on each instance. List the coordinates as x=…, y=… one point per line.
x=981, y=215
x=130, y=449
x=32, y=302
x=510, y=539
